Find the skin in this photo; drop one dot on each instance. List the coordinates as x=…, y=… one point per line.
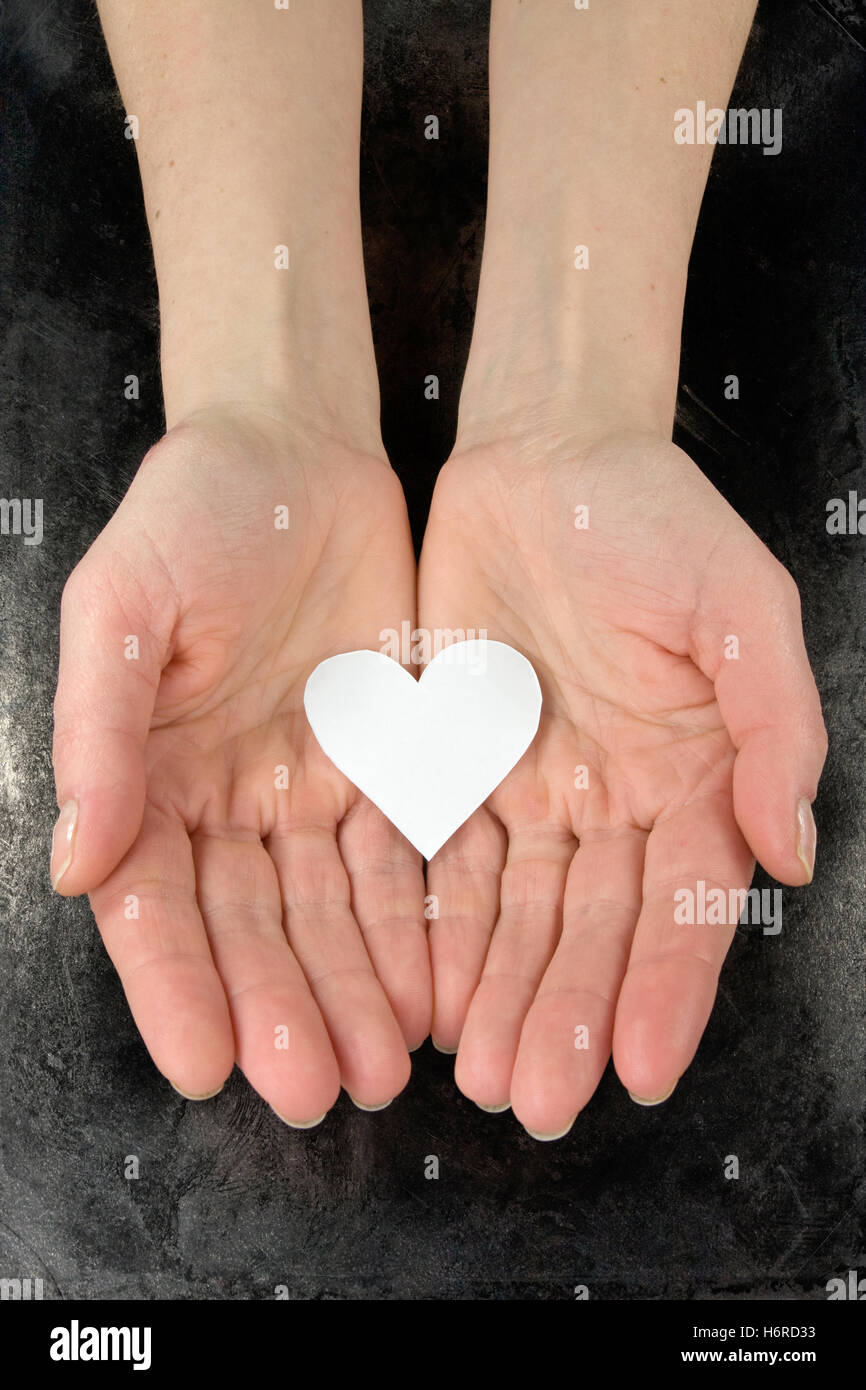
x=264, y=907
x=260, y=908
x=556, y=901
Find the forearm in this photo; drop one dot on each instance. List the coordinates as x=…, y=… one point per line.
x=582, y=154
x=248, y=135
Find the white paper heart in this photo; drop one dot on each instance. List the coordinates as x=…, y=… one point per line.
x=426, y=752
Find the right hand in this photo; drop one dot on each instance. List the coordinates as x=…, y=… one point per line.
x=264, y=915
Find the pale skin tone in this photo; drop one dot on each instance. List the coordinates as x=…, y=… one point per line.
x=280, y=927
x=557, y=899
x=300, y=906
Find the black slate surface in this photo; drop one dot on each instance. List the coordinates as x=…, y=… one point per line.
x=634, y=1203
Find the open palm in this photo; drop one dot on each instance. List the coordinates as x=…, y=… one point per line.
x=258, y=909
x=681, y=737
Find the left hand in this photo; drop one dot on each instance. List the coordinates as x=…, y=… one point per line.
x=556, y=900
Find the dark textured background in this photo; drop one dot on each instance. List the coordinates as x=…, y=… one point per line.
x=633, y=1203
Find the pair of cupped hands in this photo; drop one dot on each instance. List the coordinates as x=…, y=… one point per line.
x=282, y=927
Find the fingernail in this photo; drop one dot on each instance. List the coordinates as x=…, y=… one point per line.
x=653, y=1100
x=370, y=1108
x=63, y=841
x=449, y=1051
x=299, y=1124
x=807, y=837
x=494, y=1109
x=547, y=1138
x=208, y=1095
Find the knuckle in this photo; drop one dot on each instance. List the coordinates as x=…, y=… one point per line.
x=786, y=587
x=78, y=583
x=85, y=587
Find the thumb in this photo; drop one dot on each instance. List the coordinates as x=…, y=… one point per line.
x=111, y=659
x=749, y=641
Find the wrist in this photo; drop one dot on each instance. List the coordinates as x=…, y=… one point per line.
x=260, y=343
x=280, y=384
x=582, y=401
x=596, y=349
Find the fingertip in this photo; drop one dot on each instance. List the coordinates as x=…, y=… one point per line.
x=548, y=1137
x=774, y=813
x=660, y=1019
x=647, y=1082
x=301, y=1124
x=483, y=1074
x=186, y=1026
x=199, y=1075
x=411, y=1001
x=207, y=1095
x=92, y=833
x=374, y=1062
x=452, y=996
x=649, y=1101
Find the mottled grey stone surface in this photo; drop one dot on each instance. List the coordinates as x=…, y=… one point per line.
x=229, y=1203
